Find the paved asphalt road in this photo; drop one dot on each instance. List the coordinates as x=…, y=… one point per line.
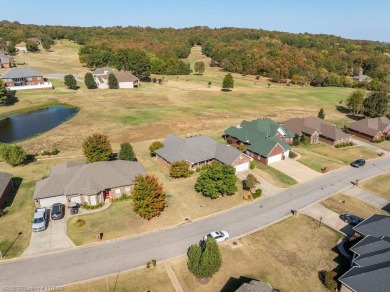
x=108, y=258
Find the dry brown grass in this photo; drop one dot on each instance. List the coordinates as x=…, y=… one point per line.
x=288, y=255
x=155, y=279
x=378, y=185
x=351, y=206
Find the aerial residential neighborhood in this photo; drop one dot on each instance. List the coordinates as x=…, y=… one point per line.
x=143, y=155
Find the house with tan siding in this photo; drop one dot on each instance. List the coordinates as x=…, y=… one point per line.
x=125, y=79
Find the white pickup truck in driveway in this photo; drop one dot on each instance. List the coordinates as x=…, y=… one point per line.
x=39, y=222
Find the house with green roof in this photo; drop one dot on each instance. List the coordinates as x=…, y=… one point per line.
x=265, y=140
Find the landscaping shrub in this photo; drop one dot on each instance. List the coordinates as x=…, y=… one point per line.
x=80, y=222
x=252, y=165
x=151, y=264
x=229, y=140
x=292, y=154
x=123, y=197
x=245, y=197
x=155, y=146
x=179, y=169
x=198, y=169
x=204, y=167
x=329, y=280
x=388, y=138
x=241, y=147
x=257, y=193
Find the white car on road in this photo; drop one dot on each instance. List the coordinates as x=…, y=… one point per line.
x=219, y=236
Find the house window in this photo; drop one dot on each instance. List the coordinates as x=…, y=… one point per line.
x=29, y=78
x=118, y=192
x=127, y=190
x=39, y=78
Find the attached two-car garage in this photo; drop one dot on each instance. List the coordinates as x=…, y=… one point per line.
x=48, y=202
x=241, y=167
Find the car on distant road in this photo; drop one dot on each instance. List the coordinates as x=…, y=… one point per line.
x=351, y=219
x=57, y=211
x=39, y=221
x=219, y=236
x=359, y=162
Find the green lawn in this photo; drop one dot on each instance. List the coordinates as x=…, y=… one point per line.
x=274, y=176
x=378, y=185
x=318, y=156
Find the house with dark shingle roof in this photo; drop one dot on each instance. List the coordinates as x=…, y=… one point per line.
x=265, y=140
x=92, y=183
x=200, y=150
x=256, y=286
x=125, y=79
x=316, y=130
x=6, y=60
x=371, y=260
x=372, y=129
x=6, y=188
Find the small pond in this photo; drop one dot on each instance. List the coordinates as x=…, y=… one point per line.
x=22, y=126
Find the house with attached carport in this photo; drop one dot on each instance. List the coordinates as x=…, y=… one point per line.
x=6, y=188
x=200, y=150
x=82, y=183
x=370, y=265
x=125, y=79
x=372, y=129
x=316, y=130
x=264, y=140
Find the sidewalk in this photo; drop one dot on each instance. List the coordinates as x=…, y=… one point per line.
x=172, y=277
x=366, y=197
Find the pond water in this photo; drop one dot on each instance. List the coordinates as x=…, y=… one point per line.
x=22, y=126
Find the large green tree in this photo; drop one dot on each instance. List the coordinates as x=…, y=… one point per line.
x=355, y=101
x=199, y=67
x=11, y=48
x=89, y=81
x=13, y=154
x=32, y=47
x=148, y=196
x=376, y=104
x=3, y=93
x=132, y=60
x=112, y=81
x=126, y=152
x=70, y=81
x=204, y=263
x=179, y=169
x=228, y=82
x=97, y=148
x=217, y=180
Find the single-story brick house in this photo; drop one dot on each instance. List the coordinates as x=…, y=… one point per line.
x=6, y=188
x=370, y=265
x=92, y=183
x=21, y=47
x=372, y=129
x=6, y=60
x=24, y=78
x=316, y=130
x=200, y=150
x=265, y=140
x=125, y=78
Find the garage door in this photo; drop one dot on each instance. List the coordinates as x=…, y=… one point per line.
x=274, y=158
x=242, y=167
x=47, y=202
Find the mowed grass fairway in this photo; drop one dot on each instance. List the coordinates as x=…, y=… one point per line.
x=378, y=185
x=317, y=156
x=288, y=255
x=351, y=205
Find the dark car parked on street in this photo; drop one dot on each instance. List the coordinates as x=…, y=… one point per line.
x=351, y=219
x=57, y=211
x=359, y=162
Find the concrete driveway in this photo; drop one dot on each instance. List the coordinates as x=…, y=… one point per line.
x=266, y=186
x=54, y=238
x=296, y=170
x=329, y=218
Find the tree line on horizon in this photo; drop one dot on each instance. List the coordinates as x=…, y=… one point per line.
x=318, y=60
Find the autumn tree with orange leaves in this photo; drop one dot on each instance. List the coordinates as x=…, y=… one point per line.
x=148, y=196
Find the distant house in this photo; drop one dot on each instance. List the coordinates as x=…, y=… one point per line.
x=6, y=60
x=265, y=140
x=200, y=150
x=24, y=78
x=316, y=130
x=92, y=183
x=21, y=47
x=362, y=78
x=125, y=78
x=35, y=40
x=6, y=188
x=372, y=129
x=371, y=259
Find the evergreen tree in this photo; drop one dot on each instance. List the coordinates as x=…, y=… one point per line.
x=377, y=104
x=155, y=146
x=126, y=152
x=228, y=82
x=97, y=148
x=89, y=81
x=112, y=81
x=204, y=263
x=321, y=114
x=70, y=81
x=148, y=196
x=217, y=180
x=179, y=169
